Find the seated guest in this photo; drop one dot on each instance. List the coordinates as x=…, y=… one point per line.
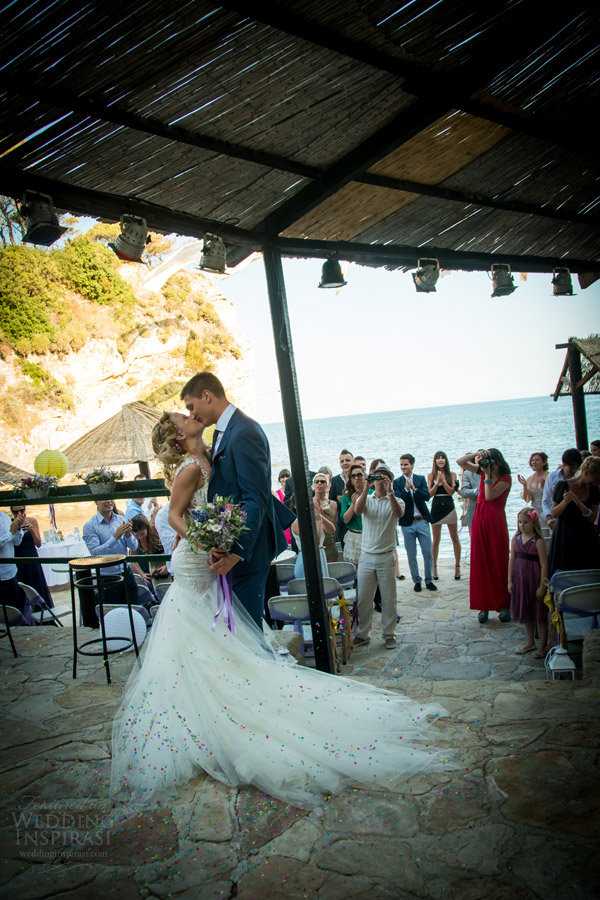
x=149, y=543
x=105, y=534
x=571, y=460
x=10, y=593
x=575, y=542
x=31, y=573
x=166, y=533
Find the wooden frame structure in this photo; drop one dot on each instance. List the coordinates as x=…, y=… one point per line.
x=378, y=130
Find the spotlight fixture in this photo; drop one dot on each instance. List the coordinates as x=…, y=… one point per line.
x=41, y=222
x=426, y=276
x=502, y=280
x=133, y=238
x=214, y=254
x=562, y=285
x=331, y=274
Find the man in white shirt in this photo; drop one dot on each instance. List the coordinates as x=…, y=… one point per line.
x=571, y=460
x=380, y=512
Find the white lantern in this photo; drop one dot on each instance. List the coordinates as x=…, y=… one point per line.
x=559, y=665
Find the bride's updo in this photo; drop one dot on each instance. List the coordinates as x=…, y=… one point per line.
x=167, y=446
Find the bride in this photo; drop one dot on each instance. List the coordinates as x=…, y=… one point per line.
x=230, y=706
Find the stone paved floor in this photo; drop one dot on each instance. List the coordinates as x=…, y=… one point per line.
x=519, y=819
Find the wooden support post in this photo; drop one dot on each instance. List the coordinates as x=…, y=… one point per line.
x=581, y=433
x=292, y=416
x=144, y=468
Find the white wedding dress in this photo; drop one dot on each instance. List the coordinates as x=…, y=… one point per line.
x=229, y=705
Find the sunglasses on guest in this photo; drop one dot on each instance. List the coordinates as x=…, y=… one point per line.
x=320, y=481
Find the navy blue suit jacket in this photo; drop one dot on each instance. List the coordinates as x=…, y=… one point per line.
x=421, y=497
x=241, y=469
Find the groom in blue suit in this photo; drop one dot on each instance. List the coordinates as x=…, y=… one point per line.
x=241, y=469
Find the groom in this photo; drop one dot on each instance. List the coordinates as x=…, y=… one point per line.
x=241, y=469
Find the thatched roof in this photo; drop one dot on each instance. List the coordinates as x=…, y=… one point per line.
x=120, y=441
x=589, y=349
x=9, y=473
x=453, y=128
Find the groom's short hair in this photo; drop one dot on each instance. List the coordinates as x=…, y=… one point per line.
x=203, y=381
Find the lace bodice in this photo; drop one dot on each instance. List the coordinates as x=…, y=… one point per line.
x=200, y=496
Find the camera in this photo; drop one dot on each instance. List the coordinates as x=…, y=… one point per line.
x=486, y=462
x=372, y=478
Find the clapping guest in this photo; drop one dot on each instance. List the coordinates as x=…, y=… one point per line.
x=352, y=521
x=575, y=542
x=533, y=486
x=489, y=539
x=443, y=484
x=399, y=575
x=329, y=509
x=571, y=460
x=324, y=526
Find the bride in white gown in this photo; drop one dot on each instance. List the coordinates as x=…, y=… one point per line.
x=229, y=705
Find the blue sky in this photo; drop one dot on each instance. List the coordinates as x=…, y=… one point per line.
x=378, y=345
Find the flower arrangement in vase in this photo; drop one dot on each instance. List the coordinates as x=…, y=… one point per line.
x=98, y=479
x=36, y=485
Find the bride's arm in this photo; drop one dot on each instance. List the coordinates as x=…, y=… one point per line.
x=184, y=487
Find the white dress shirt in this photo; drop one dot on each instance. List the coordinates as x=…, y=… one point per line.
x=8, y=542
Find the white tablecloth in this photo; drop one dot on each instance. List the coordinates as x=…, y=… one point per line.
x=70, y=547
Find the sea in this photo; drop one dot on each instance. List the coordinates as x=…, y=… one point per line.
x=517, y=428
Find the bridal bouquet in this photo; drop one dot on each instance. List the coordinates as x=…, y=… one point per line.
x=217, y=526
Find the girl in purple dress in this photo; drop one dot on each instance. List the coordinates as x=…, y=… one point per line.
x=527, y=572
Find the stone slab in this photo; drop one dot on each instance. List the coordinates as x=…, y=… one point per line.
x=384, y=858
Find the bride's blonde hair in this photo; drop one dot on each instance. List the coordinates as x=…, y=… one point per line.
x=167, y=446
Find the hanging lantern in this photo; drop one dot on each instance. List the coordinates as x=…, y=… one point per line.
x=502, y=280
x=331, y=274
x=562, y=285
x=51, y=462
x=214, y=255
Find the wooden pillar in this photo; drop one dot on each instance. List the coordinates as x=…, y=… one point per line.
x=144, y=468
x=292, y=417
x=581, y=433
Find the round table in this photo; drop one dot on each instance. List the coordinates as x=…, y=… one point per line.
x=69, y=547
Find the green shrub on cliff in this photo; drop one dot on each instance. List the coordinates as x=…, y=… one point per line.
x=28, y=291
x=90, y=268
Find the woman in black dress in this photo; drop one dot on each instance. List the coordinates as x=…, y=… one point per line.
x=575, y=543
x=443, y=484
x=30, y=573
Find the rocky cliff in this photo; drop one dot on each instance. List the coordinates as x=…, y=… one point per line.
x=145, y=354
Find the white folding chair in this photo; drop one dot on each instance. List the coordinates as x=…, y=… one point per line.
x=10, y=616
x=161, y=589
x=56, y=613
x=285, y=573
x=579, y=607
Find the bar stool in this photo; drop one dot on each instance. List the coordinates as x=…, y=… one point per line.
x=79, y=576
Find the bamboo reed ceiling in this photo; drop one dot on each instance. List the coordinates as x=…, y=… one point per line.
x=458, y=128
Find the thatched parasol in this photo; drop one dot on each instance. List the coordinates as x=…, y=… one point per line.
x=120, y=441
x=9, y=473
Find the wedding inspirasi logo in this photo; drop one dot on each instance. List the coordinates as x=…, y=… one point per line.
x=70, y=828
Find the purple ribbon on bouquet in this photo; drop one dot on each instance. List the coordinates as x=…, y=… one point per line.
x=224, y=601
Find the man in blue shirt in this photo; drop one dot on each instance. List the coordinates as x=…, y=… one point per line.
x=106, y=534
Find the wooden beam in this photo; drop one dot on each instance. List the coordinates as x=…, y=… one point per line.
x=518, y=32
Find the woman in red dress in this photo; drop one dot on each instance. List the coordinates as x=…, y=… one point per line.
x=489, y=536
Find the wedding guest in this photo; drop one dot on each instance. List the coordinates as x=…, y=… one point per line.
x=533, y=487
x=337, y=488
x=469, y=492
x=443, y=484
x=329, y=510
x=575, y=542
x=595, y=448
x=141, y=506
x=280, y=494
x=489, y=539
x=399, y=575
x=148, y=543
x=10, y=593
x=352, y=521
x=324, y=526
x=414, y=493
x=361, y=461
x=107, y=533
x=571, y=460
x=380, y=511
x=31, y=573
x=166, y=532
